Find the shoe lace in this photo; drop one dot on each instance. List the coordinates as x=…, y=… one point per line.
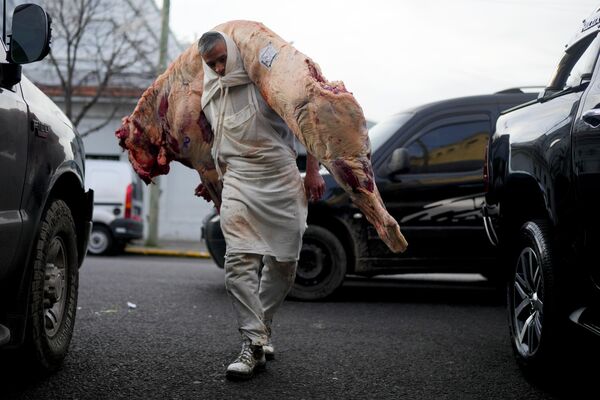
x=246, y=355
x=268, y=326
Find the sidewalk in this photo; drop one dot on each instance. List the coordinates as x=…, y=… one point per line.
x=171, y=248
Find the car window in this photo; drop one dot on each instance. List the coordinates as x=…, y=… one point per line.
x=577, y=62
x=450, y=148
x=381, y=132
x=585, y=65
x=2, y=51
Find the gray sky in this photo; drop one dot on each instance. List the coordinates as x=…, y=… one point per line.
x=395, y=55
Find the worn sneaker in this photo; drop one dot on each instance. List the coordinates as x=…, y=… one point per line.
x=269, y=349
x=250, y=359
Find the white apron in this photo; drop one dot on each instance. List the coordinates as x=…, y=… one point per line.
x=264, y=206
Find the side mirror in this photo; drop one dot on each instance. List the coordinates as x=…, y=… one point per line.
x=30, y=39
x=399, y=162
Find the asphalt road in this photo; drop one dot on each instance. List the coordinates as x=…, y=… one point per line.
x=377, y=339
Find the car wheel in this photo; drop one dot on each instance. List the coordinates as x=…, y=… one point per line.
x=101, y=241
x=322, y=265
x=214, y=239
x=535, y=321
x=54, y=288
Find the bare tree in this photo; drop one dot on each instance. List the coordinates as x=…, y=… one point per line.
x=99, y=50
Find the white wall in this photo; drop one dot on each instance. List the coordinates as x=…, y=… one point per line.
x=181, y=212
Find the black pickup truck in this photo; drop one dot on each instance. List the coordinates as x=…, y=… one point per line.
x=45, y=212
x=428, y=164
x=542, y=207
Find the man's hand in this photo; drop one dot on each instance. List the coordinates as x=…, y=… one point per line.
x=201, y=191
x=314, y=185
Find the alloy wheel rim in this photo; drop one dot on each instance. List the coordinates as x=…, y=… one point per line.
x=55, y=286
x=528, y=303
x=98, y=242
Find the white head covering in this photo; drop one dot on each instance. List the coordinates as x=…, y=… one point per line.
x=235, y=74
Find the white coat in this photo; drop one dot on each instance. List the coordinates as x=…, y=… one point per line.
x=264, y=206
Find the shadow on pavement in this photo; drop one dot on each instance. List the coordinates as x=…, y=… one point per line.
x=17, y=374
x=575, y=375
x=408, y=289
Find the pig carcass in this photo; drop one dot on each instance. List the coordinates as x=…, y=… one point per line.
x=168, y=123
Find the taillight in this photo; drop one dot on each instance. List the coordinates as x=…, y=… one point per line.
x=128, y=198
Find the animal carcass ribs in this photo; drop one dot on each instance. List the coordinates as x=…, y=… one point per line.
x=168, y=123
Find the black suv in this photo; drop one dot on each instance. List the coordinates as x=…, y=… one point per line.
x=45, y=213
x=428, y=165
x=542, y=207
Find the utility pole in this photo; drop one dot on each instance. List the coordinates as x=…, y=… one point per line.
x=155, y=187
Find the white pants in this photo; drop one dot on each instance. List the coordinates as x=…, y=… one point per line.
x=257, y=291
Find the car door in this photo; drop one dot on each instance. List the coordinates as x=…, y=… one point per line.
x=14, y=136
x=564, y=158
x=585, y=142
x=437, y=200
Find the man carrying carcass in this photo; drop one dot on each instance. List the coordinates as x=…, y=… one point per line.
x=264, y=201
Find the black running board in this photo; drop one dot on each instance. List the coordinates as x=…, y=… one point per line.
x=4, y=335
x=587, y=318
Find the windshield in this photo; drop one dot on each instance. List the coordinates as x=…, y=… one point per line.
x=380, y=133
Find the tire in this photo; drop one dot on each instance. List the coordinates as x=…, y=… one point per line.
x=537, y=324
x=54, y=289
x=214, y=239
x=322, y=265
x=101, y=241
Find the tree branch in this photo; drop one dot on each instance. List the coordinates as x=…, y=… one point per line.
x=94, y=45
x=103, y=124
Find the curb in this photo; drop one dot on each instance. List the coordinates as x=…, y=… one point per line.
x=148, y=251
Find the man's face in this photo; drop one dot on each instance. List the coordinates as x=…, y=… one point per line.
x=216, y=58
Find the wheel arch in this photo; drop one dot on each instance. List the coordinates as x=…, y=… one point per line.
x=524, y=199
x=69, y=188
x=18, y=312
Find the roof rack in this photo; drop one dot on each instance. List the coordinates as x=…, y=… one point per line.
x=521, y=89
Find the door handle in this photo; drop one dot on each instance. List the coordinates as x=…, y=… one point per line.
x=592, y=117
